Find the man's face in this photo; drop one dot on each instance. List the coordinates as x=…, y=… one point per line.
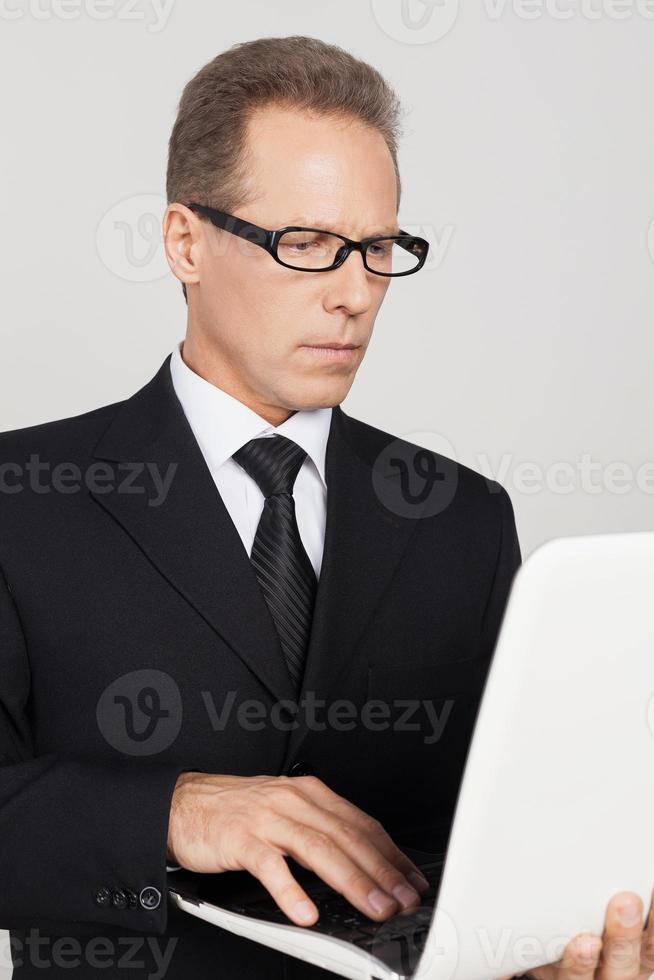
x=254, y=324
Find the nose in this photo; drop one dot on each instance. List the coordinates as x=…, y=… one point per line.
x=349, y=285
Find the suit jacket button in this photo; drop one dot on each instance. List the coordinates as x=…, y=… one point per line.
x=132, y=897
x=301, y=769
x=119, y=899
x=103, y=897
x=150, y=897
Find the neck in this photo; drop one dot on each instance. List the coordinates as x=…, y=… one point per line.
x=205, y=362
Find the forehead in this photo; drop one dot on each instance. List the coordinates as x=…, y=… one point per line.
x=325, y=172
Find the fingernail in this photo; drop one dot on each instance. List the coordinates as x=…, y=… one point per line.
x=418, y=880
x=303, y=910
x=380, y=901
x=629, y=913
x=406, y=896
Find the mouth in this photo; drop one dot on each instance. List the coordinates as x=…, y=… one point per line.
x=334, y=346
x=332, y=351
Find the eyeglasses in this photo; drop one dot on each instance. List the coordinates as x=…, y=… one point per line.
x=314, y=250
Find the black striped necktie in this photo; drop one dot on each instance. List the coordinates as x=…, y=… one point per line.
x=282, y=566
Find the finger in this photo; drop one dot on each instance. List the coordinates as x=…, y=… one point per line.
x=384, y=843
x=621, y=941
x=269, y=866
x=341, y=807
x=317, y=850
x=580, y=958
x=647, y=945
x=372, y=831
x=353, y=838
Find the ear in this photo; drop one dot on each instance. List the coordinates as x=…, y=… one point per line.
x=182, y=234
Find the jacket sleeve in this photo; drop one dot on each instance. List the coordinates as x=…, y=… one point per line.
x=81, y=840
x=508, y=562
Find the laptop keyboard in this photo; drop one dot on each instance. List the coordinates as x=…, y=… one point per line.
x=397, y=942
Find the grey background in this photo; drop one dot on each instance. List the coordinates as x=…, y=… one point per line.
x=525, y=349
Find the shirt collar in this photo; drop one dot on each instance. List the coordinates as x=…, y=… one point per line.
x=222, y=424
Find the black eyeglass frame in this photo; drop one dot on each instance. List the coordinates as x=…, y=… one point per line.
x=269, y=241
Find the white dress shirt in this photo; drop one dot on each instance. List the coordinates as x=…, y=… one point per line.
x=222, y=424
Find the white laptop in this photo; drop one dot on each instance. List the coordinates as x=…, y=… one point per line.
x=556, y=805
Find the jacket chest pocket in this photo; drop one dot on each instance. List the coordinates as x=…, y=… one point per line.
x=437, y=680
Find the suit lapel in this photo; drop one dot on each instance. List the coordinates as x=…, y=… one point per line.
x=190, y=537
x=364, y=542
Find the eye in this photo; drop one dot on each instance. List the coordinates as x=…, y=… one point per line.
x=300, y=241
x=380, y=249
x=298, y=246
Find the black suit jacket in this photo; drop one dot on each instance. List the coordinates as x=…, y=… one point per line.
x=131, y=619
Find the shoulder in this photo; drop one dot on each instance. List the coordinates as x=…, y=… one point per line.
x=61, y=439
x=469, y=492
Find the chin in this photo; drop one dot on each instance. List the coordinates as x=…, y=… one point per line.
x=320, y=394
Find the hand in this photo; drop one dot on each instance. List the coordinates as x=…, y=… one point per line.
x=625, y=951
x=232, y=823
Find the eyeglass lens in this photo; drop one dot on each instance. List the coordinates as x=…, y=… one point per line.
x=319, y=250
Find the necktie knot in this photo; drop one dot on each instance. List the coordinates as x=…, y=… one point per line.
x=273, y=462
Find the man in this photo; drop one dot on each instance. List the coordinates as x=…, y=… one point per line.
x=217, y=593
